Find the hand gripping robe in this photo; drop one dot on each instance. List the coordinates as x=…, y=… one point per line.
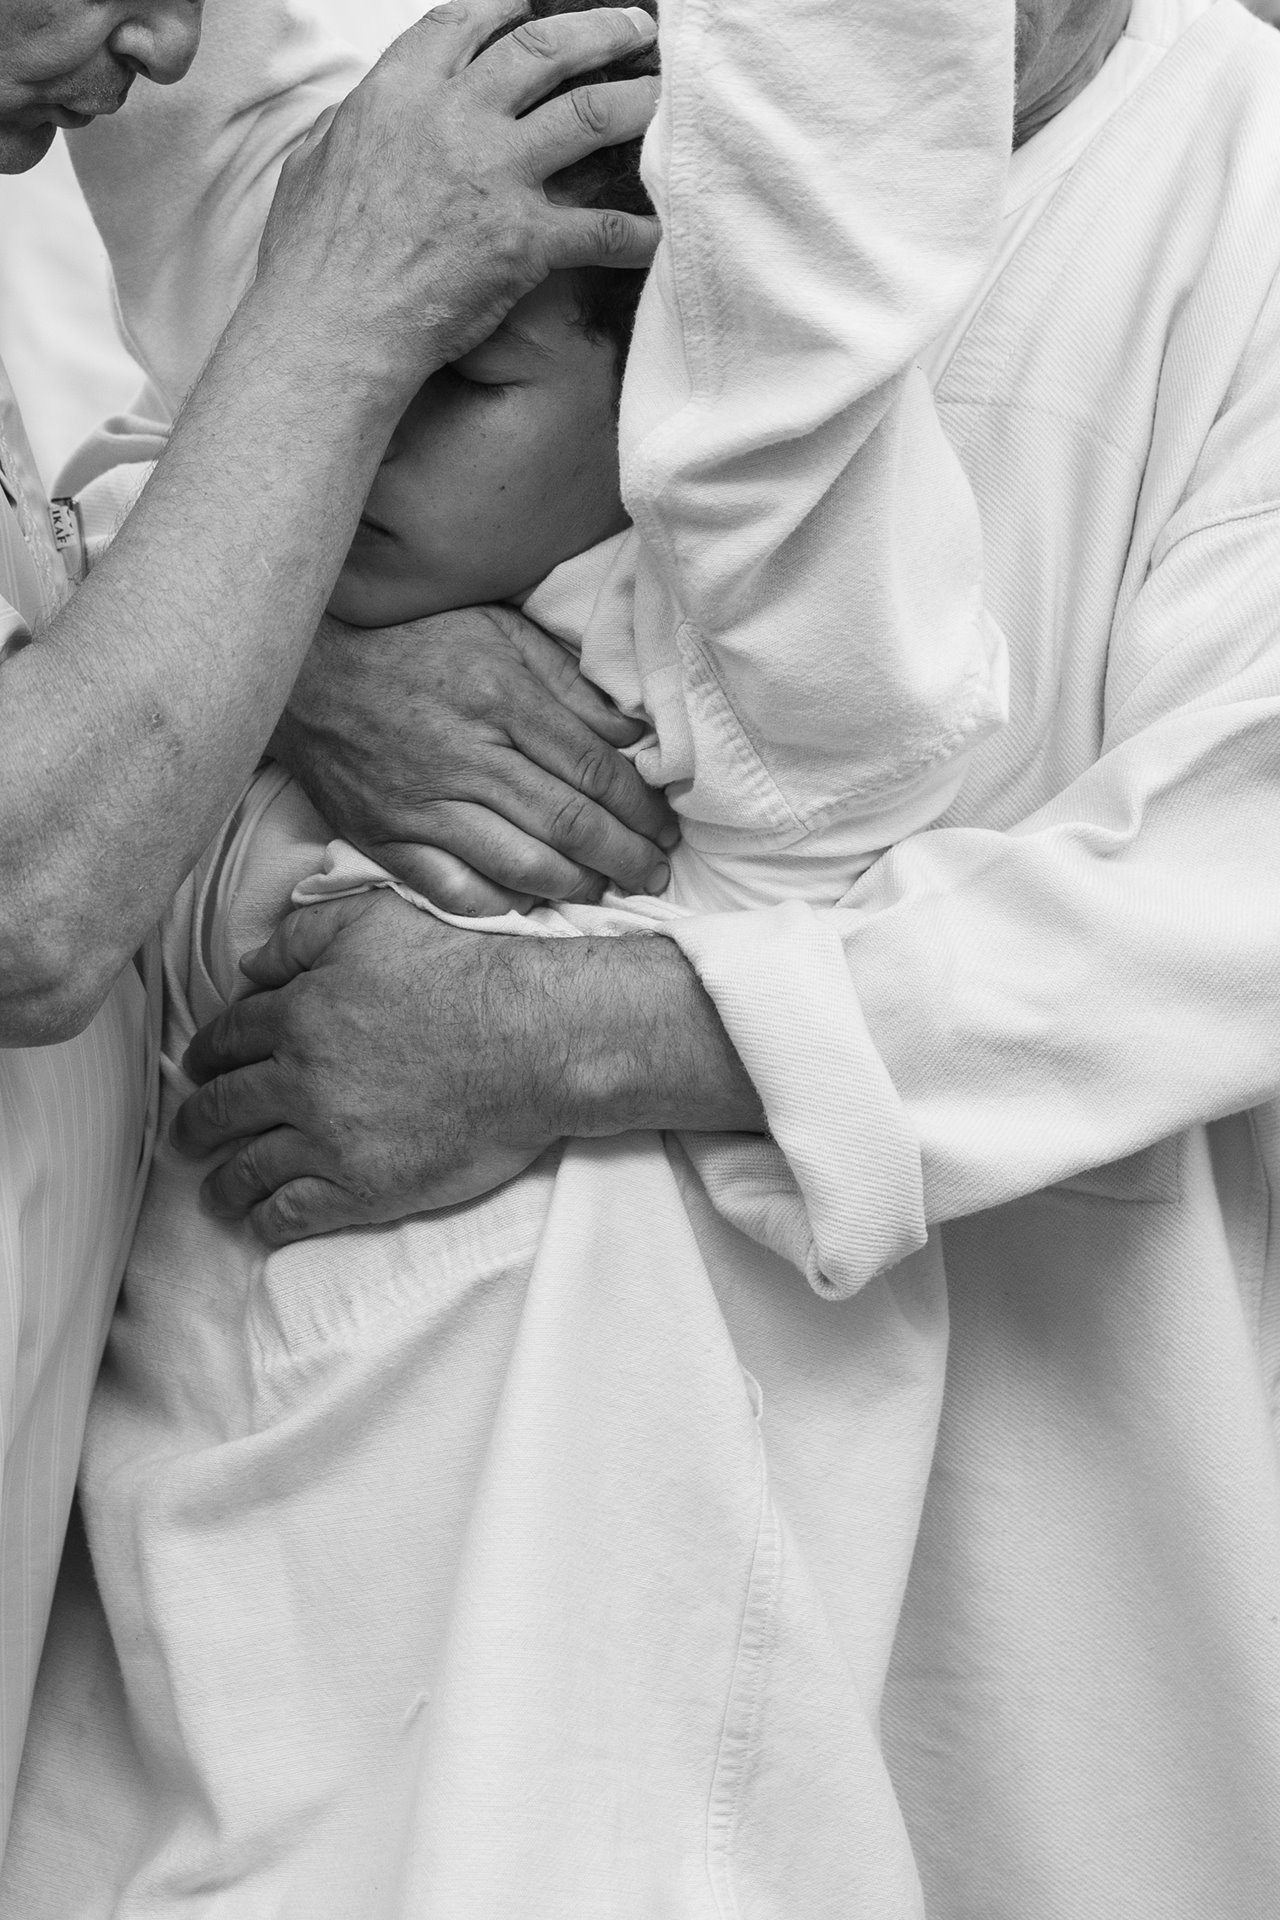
x=446, y=1565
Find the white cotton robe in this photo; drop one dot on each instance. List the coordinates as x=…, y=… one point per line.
x=443, y=1563
x=1071, y=997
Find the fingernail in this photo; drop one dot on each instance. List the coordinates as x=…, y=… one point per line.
x=669, y=837
x=658, y=878
x=643, y=22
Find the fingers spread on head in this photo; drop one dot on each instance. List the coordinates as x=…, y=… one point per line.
x=576, y=124
x=599, y=237
x=524, y=66
x=449, y=37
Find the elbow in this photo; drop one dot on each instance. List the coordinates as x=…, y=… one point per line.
x=50, y=989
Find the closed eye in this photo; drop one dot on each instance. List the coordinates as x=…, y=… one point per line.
x=454, y=377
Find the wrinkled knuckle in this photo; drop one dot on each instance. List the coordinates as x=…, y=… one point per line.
x=486, y=684
x=363, y=1191
x=588, y=888
x=285, y=1215
x=593, y=771
x=246, y=1169
x=435, y=827
x=613, y=234
x=570, y=819
x=216, y=1104
x=532, y=36
x=591, y=109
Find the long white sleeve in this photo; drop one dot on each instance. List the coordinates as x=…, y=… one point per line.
x=829, y=183
x=1090, y=963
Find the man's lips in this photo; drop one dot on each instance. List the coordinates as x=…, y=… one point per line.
x=366, y=525
x=71, y=114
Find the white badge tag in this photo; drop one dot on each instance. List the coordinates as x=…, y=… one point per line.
x=68, y=536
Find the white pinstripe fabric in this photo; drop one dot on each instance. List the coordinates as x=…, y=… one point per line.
x=74, y=1141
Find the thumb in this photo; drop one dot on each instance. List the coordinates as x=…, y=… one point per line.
x=302, y=939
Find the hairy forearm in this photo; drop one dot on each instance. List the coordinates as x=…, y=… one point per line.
x=626, y=1033
x=129, y=724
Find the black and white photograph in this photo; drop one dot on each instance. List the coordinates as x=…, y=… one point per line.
x=639, y=960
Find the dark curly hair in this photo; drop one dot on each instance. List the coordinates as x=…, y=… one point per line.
x=609, y=177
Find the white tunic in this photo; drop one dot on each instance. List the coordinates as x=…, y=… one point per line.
x=1059, y=989
x=1071, y=993
x=392, y=1527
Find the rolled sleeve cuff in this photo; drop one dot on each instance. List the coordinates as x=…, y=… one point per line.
x=844, y=1195
x=105, y=504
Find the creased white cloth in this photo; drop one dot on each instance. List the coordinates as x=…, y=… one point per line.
x=477, y=1562
x=1073, y=987
x=437, y=1581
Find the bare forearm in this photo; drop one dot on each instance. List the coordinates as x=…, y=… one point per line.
x=128, y=726
x=643, y=1045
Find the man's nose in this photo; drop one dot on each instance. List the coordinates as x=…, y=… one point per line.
x=159, y=39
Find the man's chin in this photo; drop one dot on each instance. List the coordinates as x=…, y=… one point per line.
x=363, y=598
x=22, y=148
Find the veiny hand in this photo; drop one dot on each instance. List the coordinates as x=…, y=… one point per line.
x=391, y=1064
x=468, y=755
x=417, y=218
x=385, y=1070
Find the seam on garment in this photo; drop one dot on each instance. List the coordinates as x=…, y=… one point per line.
x=708, y=691
x=1267, y=1322
x=1037, y=410
x=789, y=822
x=1010, y=331
x=286, y=1355
x=1260, y=1198
x=1269, y=511
x=1149, y=1177
x=698, y=327
x=739, y=1737
x=1263, y=510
